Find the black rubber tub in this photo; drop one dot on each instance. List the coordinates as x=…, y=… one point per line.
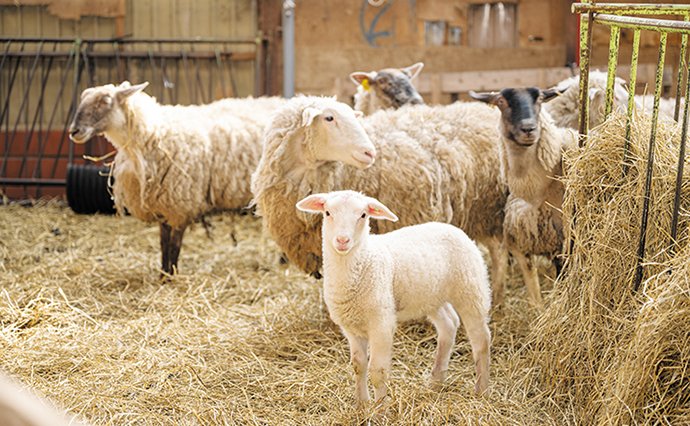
x=87, y=189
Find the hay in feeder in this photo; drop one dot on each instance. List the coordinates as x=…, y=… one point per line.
x=235, y=338
x=613, y=355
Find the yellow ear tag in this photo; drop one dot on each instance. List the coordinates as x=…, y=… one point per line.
x=365, y=84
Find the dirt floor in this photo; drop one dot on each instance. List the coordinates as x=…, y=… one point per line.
x=236, y=338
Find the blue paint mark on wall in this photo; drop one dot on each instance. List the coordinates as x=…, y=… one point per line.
x=369, y=33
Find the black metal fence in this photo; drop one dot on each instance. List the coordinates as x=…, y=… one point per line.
x=41, y=79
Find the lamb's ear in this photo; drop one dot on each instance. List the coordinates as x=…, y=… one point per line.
x=309, y=114
x=594, y=92
x=377, y=210
x=549, y=94
x=413, y=70
x=359, y=114
x=358, y=77
x=124, y=91
x=312, y=204
x=486, y=97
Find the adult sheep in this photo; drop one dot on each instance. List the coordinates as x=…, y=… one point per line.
x=387, y=88
x=175, y=164
x=532, y=147
x=433, y=163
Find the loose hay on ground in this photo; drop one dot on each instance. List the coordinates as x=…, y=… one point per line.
x=613, y=355
x=236, y=338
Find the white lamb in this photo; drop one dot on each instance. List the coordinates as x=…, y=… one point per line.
x=532, y=149
x=435, y=163
x=175, y=164
x=371, y=282
x=386, y=88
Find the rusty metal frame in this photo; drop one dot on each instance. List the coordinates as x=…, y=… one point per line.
x=626, y=15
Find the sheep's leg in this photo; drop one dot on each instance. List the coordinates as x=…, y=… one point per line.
x=175, y=246
x=358, y=358
x=165, y=230
x=475, y=320
x=446, y=322
x=499, y=265
x=530, y=276
x=380, y=348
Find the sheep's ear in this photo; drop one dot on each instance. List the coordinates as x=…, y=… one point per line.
x=358, y=77
x=124, y=92
x=309, y=114
x=359, y=114
x=549, y=94
x=486, y=97
x=594, y=92
x=87, y=91
x=377, y=210
x=312, y=204
x=413, y=70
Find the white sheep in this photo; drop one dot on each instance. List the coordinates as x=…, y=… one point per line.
x=387, y=88
x=175, y=164
x=435, y=163
x=371, y=282
x=531, y=163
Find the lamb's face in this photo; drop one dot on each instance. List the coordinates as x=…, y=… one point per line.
x=100, y=110
x=387, y=88
x=520, y=110
x=345, y=217
x=338, y=135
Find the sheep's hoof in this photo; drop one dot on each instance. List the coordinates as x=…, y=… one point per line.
x=283, y=259
x=437, y=379
x=317, y=275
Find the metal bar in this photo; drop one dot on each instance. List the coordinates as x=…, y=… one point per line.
x=682, y=67
x=649, y=24
x=70, y=40
x=631, y=97
x=679, y=175
x=238, y=56
x=585, y=53
x=632, y=8
x=614, y=42
x=32, y=181
x=288, y=49
x=650, y=163
x=30, y=78
x=39, y=111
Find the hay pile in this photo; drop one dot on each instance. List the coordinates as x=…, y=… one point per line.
x=610, y=355
x=236, y=338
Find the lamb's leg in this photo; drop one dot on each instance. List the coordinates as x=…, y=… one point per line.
x=358, y=358
x=446, y=322
x=499, y=265
x=476, y=325
x=175, y=245
x=165, y=230
x=380, y=348
x=530, y=276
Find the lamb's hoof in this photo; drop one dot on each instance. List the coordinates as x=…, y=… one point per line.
x=283, y=259
x=316, y=274
x=438, y=378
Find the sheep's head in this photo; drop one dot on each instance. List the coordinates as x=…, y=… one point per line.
x=336, y=134
x=387, y=88
x=519, y=112
x=100, y=110
x=345, y=217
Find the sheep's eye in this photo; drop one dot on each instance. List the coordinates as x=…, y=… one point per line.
x=363, y=215
x=328, y=213
x=329, y=118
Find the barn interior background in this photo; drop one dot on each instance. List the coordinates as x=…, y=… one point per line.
x=241, y=338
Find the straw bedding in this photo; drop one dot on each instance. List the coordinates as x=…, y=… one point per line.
x=236, y=339
x=241, y=339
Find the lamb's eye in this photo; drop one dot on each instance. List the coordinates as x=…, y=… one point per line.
x=363, y=215
x=328, y=118
x=328, y=213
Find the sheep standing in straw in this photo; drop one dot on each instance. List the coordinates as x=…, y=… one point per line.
x=531, y=162
x=371, y=282
x=174, y=164
x=387, y=88
x=435, y=163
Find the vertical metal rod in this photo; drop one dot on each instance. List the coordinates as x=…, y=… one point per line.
x=585, y=52
x=614, y=42
x=37, y=113
x=58, y=99
x=682, y=68
x=681, y=164
x=288, y=48
x=650, y=163
x=631, y=98
x=75, y=89
x=219, y=65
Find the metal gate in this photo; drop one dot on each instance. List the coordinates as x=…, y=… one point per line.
x=618, y=16
x=41, y=79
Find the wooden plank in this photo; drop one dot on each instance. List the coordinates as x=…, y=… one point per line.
x=458, y=82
